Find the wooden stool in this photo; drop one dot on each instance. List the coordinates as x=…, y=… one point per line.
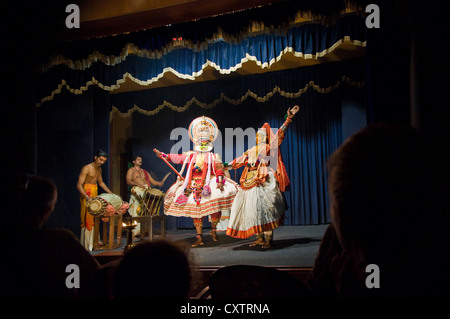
x=114, y=238
x=147, y=225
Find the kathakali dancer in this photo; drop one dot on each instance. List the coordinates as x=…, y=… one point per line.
x=205, y=190
x=258, y=207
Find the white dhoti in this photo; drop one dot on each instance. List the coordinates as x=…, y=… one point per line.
x=134, y=209
x=87, y=238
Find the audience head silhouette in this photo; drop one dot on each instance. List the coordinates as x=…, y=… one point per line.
x=38, y=201
x=379, y=181
x=153, y=270
x=377, y=178
x=37, y=260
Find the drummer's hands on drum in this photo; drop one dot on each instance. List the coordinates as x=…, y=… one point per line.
x=88, y=199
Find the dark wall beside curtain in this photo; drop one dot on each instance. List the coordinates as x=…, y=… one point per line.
x=70, y=129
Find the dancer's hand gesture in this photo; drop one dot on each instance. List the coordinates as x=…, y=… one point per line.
x=293, y=111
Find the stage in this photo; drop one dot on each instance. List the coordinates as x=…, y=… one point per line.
x=294, y=246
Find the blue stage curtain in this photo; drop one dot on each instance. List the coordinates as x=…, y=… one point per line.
x=289, y=83
x=71, y=123
x=313, y=135
x=232, y=26
x=312, y=39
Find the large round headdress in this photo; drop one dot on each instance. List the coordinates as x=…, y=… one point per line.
x=203, y=131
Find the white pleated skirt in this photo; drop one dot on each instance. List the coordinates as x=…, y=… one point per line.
x=257, y=209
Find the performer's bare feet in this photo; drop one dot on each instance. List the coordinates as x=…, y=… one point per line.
x=199, y=241
x=214, y=235
x=259, y=241
x=267, y=244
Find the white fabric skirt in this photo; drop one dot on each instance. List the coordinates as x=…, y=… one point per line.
x=134, y=204
x=257, y=209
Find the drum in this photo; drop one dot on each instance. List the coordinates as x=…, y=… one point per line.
x=106, y=204
x=96, y=206
x=151, y=202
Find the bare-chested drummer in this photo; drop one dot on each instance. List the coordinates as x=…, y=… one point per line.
x=139, y=179
x=90, y=176
x=137, y=176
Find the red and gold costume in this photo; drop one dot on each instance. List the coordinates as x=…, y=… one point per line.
x=205, y=190
x=198, y=196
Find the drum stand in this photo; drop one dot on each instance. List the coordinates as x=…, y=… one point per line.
x=111, y=239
